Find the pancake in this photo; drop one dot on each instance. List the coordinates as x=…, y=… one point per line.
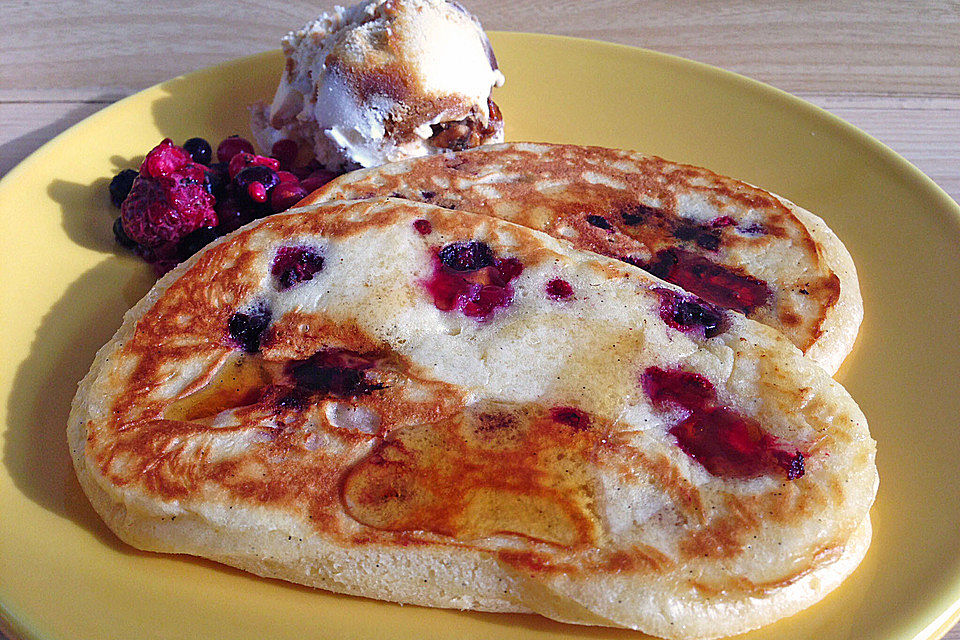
x=728, y=242
x=390, y=399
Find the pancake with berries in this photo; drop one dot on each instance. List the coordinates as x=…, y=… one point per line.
x=395, y=400
x=732, y=244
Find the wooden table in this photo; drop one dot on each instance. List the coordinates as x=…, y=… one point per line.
x=890, y=68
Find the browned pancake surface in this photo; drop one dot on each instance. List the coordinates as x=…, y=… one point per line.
x=365, y=419
x=730, y=243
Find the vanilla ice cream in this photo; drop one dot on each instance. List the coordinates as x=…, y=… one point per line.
x=384, y=80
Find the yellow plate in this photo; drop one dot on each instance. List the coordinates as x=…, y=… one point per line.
x=65, y=287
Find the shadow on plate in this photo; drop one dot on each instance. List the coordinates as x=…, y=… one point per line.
x=63, y=348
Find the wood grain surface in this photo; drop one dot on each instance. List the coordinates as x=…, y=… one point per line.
x=891, y=68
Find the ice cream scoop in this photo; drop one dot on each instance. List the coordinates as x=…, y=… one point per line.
x=382, y=81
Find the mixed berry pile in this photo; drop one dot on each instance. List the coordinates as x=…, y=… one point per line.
x=180, y=200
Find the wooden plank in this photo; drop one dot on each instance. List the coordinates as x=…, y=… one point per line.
x=851, y=46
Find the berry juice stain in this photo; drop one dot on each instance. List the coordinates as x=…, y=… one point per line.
x=469, y=277
x=712, y=282
x=726, y=443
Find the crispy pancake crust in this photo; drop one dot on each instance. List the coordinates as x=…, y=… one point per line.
x=517, y=460
x=634, y=207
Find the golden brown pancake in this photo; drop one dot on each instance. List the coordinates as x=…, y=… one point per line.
x=731, y=243
x=394, y=400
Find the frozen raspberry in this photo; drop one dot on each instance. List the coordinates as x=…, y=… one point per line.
x=168, y=200
x=229, y=216
x=164, y=159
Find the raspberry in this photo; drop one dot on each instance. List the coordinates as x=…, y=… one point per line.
x=164, y=159
x=168, y=200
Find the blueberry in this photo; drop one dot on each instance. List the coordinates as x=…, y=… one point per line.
x=692, y=314
x=600, y=222
x=466, y=256
x=247, y=329
x=122, y=238
x=120, y=186
x=196, y=240
x=245, y=190
x=199, y=149
x=216, y=180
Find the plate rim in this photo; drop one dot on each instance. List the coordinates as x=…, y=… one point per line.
x=18, y=627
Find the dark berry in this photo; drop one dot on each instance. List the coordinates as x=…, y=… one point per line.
x=600, y=222
x=196, y=240
x=713, y=282
x=571, y=417
x=508, y=269
x=122, y=238
x=316, y=180
x=637, y=213
x=252, y=187
x=285, y=195
x=423, y=226
x=334, y=371
x=230, y=216
x=706, y=237
x=120, y=186
x=559, y=289
x=293, y=265
x=247, y=329
x=216, y=179
x=286, y=176
x=232, y=146
x=199, y=149
x=241, y=161
x=686, y=314
x=285, y=151
x=469, y=255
